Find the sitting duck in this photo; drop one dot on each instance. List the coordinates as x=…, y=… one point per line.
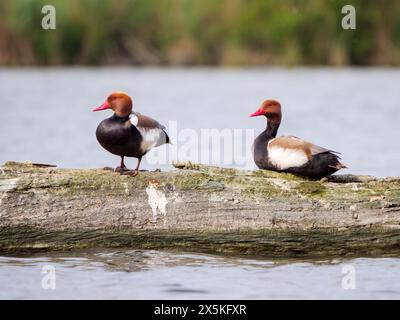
x=289, y=153
x=127, y=133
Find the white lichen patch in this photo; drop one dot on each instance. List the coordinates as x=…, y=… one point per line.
x=284, y=184
x=215, y=197
x=325, y=204
x=355, y=186
x=126, y=187
x=157, y=200
x=8, y=184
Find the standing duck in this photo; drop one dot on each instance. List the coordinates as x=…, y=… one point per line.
x=288, y=153
x=127, y=133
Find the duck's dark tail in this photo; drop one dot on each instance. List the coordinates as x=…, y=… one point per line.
x=338, y=166
x=325, y=164
x=167, y=139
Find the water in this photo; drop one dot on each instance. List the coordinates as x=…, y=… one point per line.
x=46, y=113
x=134, y=274
x=46, y=117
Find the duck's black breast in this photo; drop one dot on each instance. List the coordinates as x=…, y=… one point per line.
x=118, y=136
x=260, y=151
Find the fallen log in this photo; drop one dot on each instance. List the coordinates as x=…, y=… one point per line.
x=198, y=208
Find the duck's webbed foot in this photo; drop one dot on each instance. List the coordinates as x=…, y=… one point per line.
x=122, y=167
x=121, y=170
x=133, y=173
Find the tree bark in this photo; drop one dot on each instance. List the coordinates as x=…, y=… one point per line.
x=198, y=208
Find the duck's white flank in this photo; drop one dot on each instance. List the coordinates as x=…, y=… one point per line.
x=152, y=137
x=284, y=158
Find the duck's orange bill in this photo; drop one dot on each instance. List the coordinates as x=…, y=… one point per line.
x=104, y=106
x=259, y=112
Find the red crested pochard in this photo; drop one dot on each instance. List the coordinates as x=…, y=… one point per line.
x=127, y=133
x=289, y=153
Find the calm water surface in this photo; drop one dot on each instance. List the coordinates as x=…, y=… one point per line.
x=134, y=274
x=46, y=117
x=47, y=114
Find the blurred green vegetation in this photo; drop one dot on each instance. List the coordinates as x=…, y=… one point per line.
x=207, y=32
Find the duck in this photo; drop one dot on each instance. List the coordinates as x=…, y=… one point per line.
x=127, y=133
x=289, y=153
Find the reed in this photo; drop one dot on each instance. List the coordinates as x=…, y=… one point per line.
x=200, y=32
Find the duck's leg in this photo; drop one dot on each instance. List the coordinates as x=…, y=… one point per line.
x=121, y=167
x=136, y=171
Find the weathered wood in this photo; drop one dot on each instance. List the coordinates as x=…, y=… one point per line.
x=199, y=208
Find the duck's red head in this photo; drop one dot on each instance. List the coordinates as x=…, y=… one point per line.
x=119, y=102
x=271, y=109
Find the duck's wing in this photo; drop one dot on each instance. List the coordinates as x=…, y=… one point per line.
x=140, y=120
x=153, y=133
x=289, y=151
